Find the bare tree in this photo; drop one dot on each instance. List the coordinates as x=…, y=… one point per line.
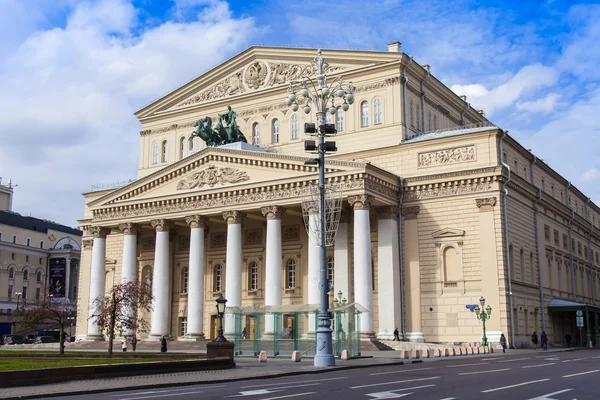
x=123, y=307
x=47, y=308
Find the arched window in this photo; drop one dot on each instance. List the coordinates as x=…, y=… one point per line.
x=155, y=153
x=191, y=145
x=290, y=272
x=418, y=118
x=253, y=276
x=411, y=114
x=275, y=126
x=340, y=119
x=364, y=112
x=435, y=122
x=255, y=134
x=181, y=148
x=25, y=275
x=330, y=272
x=429, y=121
x=218, y=278
x=452, y=268
x=185, y=274
x=39, y=276
x=294, y=126
x=11, y=273
x=164, y=151
x=377, y=115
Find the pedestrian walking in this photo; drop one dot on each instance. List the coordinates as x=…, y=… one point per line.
x=163, y=344
x=503, y=342
x=534, y=340
x=124, y=345
x=544, y=340
x=396, y=335
x=244, y=334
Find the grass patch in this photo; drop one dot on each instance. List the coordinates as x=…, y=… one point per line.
x=15, y=364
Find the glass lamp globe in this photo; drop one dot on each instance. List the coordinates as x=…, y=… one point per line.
x=326, y=91
x=307, y=109
x=303, y=92
x=288, y=101
x=332, y=110
x=488, y=309
x=350, y=98
x=345, y=106
x=292, y=96
x=477, y=310
x=294, y=106
x=340, y=92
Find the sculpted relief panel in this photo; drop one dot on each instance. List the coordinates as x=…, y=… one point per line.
x=211, y=176
x=447, y=156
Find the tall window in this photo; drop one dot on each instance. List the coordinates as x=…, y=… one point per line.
x=185, y=278
x=330, y=266
x=411, y=114
x=41, y=245
x=39, y=276
x=164, y=151
x=155, y=153
x=218, y=278
x=255, y=134
x=418, y=118
x=253, y=275
x=275, y=131
x=181, y=148
x=294, y=126
x=340, y=119
x=364, y=112
x=24, y=293
x=182, y=326
x=429, y=121
x=15, y=239
x=291, y=273
x=25, y=275
x=11, y=273
x=191, y=145
x=37, y=293
x=377, y=119
x=28, y=242
x=435, y=122
x=10, y=291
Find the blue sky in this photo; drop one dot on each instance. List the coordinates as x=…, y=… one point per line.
x=72, y=73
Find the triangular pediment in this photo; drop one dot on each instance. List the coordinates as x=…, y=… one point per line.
x=259, y=69
x=447, y=232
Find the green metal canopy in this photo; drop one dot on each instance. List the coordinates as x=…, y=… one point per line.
x=566, y=305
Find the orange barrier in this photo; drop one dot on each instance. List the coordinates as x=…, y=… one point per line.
x=345, y=355
x=425, y=353
x=415, y=354
x=263, y=356
x=436, y=353
x=296, y=356
x=469, y=351
x=463, y=351
x=404, y=354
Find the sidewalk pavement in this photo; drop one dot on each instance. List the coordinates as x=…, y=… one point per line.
x=246, y=368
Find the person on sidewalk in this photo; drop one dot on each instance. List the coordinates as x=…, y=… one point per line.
x=124, y=345
x=163, y=344
x=534, y=340
x=396, y=335
x=544, y=340
x=503, y=342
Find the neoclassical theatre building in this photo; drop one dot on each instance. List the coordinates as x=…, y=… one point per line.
x=440, y=208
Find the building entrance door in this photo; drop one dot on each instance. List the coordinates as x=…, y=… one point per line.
x=250, y=327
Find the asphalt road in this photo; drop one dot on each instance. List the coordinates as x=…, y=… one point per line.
x=538, y=376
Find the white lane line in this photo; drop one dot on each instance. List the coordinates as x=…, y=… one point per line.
x=397, y=372
x=566, y=361
x=161, y=395
x=449, y=398
x=283, y=383
x=581, y=373
x=162, y=391
x=464, y=365
x=579, y=359
x=391, y=394
x=547, y=396
x=538, y=365
x=485, y=372
x=596, y=357
x=395, y=382
x=289, y=395
x=515, y=359
x=490, y=359
x=513, y=386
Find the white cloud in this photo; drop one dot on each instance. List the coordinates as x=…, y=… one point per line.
x=544, y=105
x=591, y=175
x=68, y=96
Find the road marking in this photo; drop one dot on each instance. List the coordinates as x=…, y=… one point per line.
x=464, y=365
x=513, y=386
x=547, y=396
x=392, y=395
x=595, y=357
x=566, y=361
x=161, y=395
x=579, y=359
x=484, y=372
x=489, y=359
x=164, y=391
x=538, y=365
x=449, y=398
x=283, y=383
x=582, y=373
x=289, y=395
x=515, y=359
x=271, y=390
x=393, y=383
x=397, y=372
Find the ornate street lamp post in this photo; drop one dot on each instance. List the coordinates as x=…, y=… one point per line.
x=483, y=316
x=221, y=304
x=323, y=96
x=18, y=294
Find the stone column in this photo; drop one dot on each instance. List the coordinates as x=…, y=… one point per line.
x=67, y=280
x=412, y=283
x=273, y=262
x=363, y=272
x=492, y=283
x=341, y=273
x=233, y=267
x=388, y=272
x=314, y=266
x=197, y=265
x=98, y=278
x=129, y=268
x=160, y=280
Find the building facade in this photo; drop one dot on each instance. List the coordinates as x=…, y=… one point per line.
x=440, y=208
x=37, y=258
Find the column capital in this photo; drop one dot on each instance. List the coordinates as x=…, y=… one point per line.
x=233, y=217
x=387, y=212
x=129, y=229
x=272, y=212
x=87, y=243
x=486, y=204
x=361, y=201
x=161, y=225
x=98, y=232
x=197, y=221
x=410, y=212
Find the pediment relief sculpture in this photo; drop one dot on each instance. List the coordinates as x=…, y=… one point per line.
x=448, y=232
x=211, y=176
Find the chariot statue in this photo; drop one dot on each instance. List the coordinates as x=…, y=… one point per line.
x=225, y=131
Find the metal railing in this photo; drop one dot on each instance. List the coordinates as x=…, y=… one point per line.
x=113, y=185
x=483, y=124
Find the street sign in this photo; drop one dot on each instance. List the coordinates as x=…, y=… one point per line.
x=579, y=321
x=579, y=313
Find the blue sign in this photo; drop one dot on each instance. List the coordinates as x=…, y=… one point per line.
x=471, y=307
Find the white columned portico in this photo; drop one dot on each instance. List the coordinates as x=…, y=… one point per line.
x=160, y=280
x=233, y=266
x=98, y=278
x=388, y=272
x=273, y=263
x=314, y=266
x=197, y=265
x=341, y=273
x=129, y=269
x=363, y=275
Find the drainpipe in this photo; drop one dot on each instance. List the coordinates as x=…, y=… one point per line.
x=405, y=134
x=401, y=256
x=510, y=295
x=571, y=241
x=591, y=253
x=537, y=239
x=423, y=97
x=462, y=121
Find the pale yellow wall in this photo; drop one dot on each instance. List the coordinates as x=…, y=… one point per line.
x=5, y=200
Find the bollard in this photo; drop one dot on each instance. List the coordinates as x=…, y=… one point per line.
x=425, y=353
x=469, y=351
x=436, y=353
x=345, y=355
x=262, y=357
x=463, y=351
x=446, y=352
x=404, y=354
x=486, y=350
x=296, y=356
x=475, y=350
x=416, y=354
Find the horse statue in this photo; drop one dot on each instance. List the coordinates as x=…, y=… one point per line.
x=220, y=134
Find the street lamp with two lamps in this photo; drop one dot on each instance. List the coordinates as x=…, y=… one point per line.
x=483, y=316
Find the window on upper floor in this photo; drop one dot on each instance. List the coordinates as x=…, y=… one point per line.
x=15, y=239
x=556, y=238
x=429, y=121
x=12, y=256
x=294, y=126
x=597, y=257
x=164, y=151
x=585, y=252
x=181, y=148
x=275, y=130
x=26, y=258
x=411, y=120
x=38, y=292
x=340, y=120
x=418, y=116
x=377, y=111
x=11, y=273
x=218, y=278
x=290, y=267
x=364, y=114
x=25, y=275
x=41, y=244
x=0, y=236
x=255, y=134
x=547, y=232
x=565, y=241
x=579, y=248
x=330, y=269
x=155, y=153
x=27, y=242
x=185, y=278
x=24, y=293
x=435, y=122
x=39, y=276
x=543, y=185
x=253, y=276
x=191, y=145
x=10, y=291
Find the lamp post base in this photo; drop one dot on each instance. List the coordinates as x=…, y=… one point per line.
x=324, y=351
x=219, y=349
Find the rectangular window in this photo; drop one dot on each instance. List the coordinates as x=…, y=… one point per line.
x=24, y=293
x=14, y=239
x=579, y=248
x=565, y=245
x=12, y=256
x=10, y=291
x=40, y=260
x=0, y=236
x=26, y=258
x=556, y=238
x=596, y=257
x=182, y=326
x=37, y=293
x=41, y=244
x=28, y=242
x=547, y=232
x=585, y=253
